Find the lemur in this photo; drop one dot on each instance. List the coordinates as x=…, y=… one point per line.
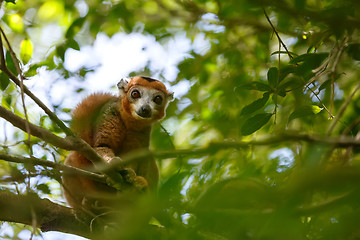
x=114, y=126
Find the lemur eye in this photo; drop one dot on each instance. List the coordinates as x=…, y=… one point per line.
x=158, y=100
x=135, y=94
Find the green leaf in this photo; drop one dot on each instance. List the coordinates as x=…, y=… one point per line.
x=256, y=105
x=191, y=67
x=10, y=1
x=325, y=84
x=32, y=71
x=26, y=50
x=73, y=44
x=172, y=185
x=75, y=28
x=4, y=81
x=10, y=63
x=259, y=86
x=255, y=123
x=272, y=77
x=60, y=51
x=304, y=111
x=309, y=57
x=354, y=51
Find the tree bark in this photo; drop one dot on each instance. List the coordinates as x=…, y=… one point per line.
x=44, y=214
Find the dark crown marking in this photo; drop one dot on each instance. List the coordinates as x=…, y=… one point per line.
x=149, y=79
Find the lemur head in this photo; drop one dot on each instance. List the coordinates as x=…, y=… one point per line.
x=144, y=99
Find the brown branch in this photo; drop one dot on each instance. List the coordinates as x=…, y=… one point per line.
x=49, y=216
x=35, y=130
x=56, y=166
x=68, y=143
x=213, y=147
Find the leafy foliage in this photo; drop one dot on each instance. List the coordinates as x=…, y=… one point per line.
x=243, y=86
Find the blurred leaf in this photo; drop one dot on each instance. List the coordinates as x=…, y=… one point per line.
x=172, y=186
x=258, y=86
x=4, y=81
x=75, y=28
x=304, y=111
x=60, y=51
x=190, y=67
x=325, y=84
x=73, y=44
x=273, y=77
x=256, y=105
x=32, y=71
x=354, y=51
x=26, y=50
x=309, y=57
x=161, y=140
x=10, y=63
x=15, y=22
x=254, y=123
x=51, y=10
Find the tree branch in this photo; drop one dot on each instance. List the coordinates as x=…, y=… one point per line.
x=35, y=130
x=213, y=147
x=69, y=143
x=50, y=216
x=56, y=166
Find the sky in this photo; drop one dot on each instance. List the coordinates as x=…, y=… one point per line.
x=112, y=59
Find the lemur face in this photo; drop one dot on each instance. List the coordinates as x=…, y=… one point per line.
x=144, y=98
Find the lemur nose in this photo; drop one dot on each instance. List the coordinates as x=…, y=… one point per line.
x=145, y=111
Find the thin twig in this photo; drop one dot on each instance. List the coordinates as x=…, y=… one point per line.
x=333, y=69
x=331, y=116
x=277, y=35
x=342, y=110
x=17, y=66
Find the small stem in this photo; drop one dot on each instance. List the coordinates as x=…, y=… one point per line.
x=277, y=35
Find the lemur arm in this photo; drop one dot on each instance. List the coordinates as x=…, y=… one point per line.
x=109, y=134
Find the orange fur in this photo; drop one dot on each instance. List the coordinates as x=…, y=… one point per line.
x=151, y=84
x=106, y=123
x=86, y=113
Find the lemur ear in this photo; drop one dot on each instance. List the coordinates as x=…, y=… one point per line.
x=123, y=84
x=170, y=96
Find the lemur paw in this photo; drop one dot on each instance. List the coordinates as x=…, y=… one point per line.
x=141, y=184
x=138, y=183
x=129, y=175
